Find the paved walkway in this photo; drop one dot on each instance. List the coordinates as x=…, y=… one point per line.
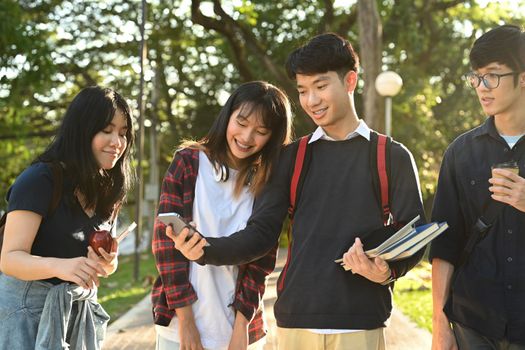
x=135, y=331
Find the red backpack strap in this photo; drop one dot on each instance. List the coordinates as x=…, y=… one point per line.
x=294, y=189
x=299, y=161
x=383, y=177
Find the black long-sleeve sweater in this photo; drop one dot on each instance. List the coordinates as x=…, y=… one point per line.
x=336, y=204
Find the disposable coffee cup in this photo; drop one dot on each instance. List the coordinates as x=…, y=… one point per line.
x=511, y=166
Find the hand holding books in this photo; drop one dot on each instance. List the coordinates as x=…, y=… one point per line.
x=405, y=242
x=375, y=270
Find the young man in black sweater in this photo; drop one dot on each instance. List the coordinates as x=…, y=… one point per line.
x=318, y=301
x=479, y=297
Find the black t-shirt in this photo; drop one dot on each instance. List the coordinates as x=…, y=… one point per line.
x=64, y=233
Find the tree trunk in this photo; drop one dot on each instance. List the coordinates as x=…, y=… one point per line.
x=370, y=42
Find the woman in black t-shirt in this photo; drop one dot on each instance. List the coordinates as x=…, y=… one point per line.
x=47, y=245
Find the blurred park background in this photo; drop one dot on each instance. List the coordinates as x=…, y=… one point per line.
x=196, y=52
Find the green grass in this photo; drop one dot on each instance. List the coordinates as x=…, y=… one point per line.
x=119, y=292
x=412, y=295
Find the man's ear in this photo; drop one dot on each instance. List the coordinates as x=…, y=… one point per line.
x=522, y=79
x=351, y=80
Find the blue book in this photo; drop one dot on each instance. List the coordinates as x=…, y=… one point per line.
x=405, y=242
x=416, y=247
x=413, y=242
x=396, y=237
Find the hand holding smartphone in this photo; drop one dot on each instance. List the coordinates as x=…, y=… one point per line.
x=177, y=222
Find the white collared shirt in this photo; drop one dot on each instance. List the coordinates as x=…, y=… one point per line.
x=362, y=130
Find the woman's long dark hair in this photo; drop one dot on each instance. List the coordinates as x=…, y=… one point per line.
x=273, y=107
x=91, y=111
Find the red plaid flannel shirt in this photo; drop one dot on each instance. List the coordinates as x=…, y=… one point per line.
x=172, y=289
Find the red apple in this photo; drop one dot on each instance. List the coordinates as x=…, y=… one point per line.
x=102, y=239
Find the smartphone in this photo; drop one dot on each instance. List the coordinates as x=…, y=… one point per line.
x=177, y=222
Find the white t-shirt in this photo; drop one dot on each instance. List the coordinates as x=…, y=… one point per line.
x=216, y=213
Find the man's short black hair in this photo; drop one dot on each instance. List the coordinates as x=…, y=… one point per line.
x=323, y=53
x=504, y=44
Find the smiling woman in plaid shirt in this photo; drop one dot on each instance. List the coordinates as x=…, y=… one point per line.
x=213, y=183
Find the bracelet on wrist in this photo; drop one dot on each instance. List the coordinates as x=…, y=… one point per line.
x=390, y=278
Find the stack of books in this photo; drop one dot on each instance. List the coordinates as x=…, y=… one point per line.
x=405, y=242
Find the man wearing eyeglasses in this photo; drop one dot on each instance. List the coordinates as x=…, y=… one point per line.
x=479, y=297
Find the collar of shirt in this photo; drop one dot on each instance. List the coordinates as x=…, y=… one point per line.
x=362, y=129
x=488, y=128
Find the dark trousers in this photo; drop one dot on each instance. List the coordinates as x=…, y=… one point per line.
x=469, y=339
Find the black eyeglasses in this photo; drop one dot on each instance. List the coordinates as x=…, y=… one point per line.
x=490, y=80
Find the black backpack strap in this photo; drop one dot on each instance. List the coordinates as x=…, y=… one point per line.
x=491, y=211
x=58, y=183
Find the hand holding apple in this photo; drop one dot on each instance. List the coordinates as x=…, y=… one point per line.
x=102, y=239
x=107, y=257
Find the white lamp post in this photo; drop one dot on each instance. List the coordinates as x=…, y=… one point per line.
x=388, y=84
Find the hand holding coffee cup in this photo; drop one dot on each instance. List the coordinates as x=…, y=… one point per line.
x=511, y=166
x=502, y=178
x=507, y=186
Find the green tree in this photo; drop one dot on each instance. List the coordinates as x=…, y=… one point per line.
x=427, y=43
x=199, y=51
x=25, y=70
